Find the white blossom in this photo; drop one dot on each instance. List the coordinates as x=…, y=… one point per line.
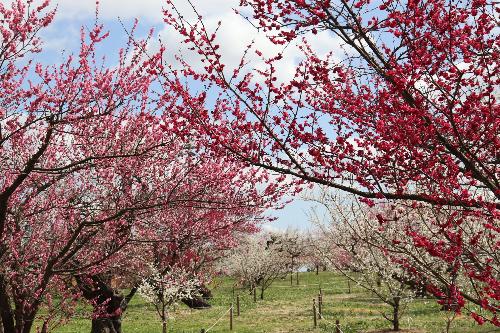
x=165, y=289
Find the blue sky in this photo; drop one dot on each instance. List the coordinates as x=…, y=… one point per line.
x=62, y=38
x=294, y=215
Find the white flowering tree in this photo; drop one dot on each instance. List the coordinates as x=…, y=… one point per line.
x=165, y=289
x=317, y=244
x=257, y=261
x=424, y=247
x=293, y=247
x=398, y=251
x=352, y=230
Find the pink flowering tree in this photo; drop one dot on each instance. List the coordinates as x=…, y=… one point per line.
x=214, y=201
x=407, y=112
x=88, y=153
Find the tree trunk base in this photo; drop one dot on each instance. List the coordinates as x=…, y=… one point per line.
x=106, y=325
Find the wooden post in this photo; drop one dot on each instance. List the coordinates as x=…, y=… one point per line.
x=315, y=319
x=320, y=306
x=337, y=326
x=349, y=285
x=238, y=305
x=231, y=317
x=297, y=279
x=254, y=294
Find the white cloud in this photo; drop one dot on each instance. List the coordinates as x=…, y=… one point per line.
x=150, y=10
x=234, y=35
x=271, y=228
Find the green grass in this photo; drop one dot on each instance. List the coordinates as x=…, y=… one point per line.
x=286, y=309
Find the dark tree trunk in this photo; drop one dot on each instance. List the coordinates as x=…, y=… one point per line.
x=395, y=318
x=205, y=292
x=317, y=269
x=262, y=292
x=6, y=314
x=108, y=303
x=14, y=320
x=420, y=289
x=419, y=286
x=105, y=325
x=447, y=306
x=28, y=321
x=45, y=328
x=450, y=307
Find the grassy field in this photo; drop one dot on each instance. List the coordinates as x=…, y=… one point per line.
x=287, y=309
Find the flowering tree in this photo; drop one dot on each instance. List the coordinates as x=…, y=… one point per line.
x=450, y=279
x=370, y=265
x=408, y=113
x=257, y=262
x=88, y=154
x=374, y=237
x=292, y=245
x=165, y=290
x=320, y=250
x=72, y=138
x=192, y=233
